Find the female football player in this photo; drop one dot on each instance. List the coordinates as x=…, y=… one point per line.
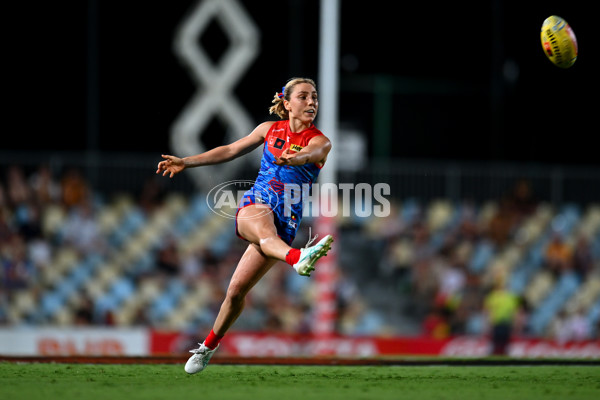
x=294, y=152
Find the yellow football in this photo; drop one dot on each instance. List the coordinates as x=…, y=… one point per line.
x=559, y=42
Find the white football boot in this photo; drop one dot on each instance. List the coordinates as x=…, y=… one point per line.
x=310, y=255
x=200, y=359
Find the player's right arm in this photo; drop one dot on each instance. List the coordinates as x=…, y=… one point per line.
x=172, y=165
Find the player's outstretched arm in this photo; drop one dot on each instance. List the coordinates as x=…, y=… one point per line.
x=172, y=165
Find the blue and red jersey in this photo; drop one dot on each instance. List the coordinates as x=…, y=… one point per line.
x=270, y=185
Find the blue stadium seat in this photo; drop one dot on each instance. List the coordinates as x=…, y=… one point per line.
x=51, y=302
x=482, y=254
x=199, y=208
x=118, y=292
x=131, y=222
x=593, y=317
x=81, y=273
x=222, y=243
x=66, y=288
x=102, y=305
x=531, y=263
x=567, y=218
x=411, y=210
x=168, y=300
x=565, y=287
x=121, y=289
x=144, y=264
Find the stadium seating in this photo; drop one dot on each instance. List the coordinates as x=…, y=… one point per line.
x=123, y=280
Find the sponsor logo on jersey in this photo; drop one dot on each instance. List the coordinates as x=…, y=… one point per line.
x=296, y=147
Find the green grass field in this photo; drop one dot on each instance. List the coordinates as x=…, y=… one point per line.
x=25, y=381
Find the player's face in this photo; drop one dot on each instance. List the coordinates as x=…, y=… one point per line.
x=303, y=103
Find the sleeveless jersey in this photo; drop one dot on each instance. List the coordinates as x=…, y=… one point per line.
x=270, y=185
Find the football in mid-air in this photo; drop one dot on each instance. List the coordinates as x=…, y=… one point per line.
x=559, y=42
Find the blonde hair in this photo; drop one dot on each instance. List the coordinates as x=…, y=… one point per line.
x=278, y=107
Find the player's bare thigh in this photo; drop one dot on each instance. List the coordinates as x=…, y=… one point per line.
x=255, y=223
x=258, y=227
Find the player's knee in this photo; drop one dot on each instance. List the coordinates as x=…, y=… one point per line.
x=236, y=294
x=267, y=240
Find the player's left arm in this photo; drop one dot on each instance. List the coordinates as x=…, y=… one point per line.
x=314, y=152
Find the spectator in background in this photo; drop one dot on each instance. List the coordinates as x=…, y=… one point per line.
x=74, y=188
x=501, y=307
x=5, y=218
x=452, y=279
x=582, y=258
x=3, y=201
x=513, y=208
x=421, y=262
x=557, y=255
x=359, y=319
x=521, y=199
x=501, y=224
x=84, y=313
x=570, y=327
x=436, y=324
x=579, y=326
x=17, y=189
x=45, y=189
x=17, y=270
x=39, y=250
x=152, y=195
x=192, y=264
x=4, y=305
x=82, y=230
x=169, y=261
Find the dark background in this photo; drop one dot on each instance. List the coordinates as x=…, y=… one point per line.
x=102, y=75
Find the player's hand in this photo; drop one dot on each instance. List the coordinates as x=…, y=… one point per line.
x=286, y=158
x=171, y=165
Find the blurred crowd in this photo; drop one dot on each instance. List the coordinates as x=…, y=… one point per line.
x=26, y=245
x=432, y=266
x=427, y=266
